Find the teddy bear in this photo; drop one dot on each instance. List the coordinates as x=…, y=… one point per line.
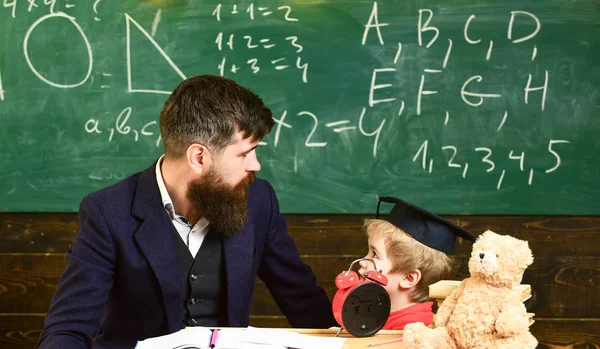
x=482, y=312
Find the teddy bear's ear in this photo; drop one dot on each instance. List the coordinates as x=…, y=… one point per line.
x=527, y=255
x=488, y=234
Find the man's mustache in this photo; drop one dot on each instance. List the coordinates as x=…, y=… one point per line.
x=249, y=179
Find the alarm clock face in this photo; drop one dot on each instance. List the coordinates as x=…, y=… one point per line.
x=366, y=309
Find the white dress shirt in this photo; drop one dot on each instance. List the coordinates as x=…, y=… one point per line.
x=192, y=236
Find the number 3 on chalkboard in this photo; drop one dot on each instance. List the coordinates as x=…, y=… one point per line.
x=486, y=158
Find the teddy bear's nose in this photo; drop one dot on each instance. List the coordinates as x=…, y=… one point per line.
x=481, y=255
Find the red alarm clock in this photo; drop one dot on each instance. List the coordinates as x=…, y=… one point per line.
x=361, y=305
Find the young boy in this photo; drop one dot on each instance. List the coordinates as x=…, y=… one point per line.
x=412, y=248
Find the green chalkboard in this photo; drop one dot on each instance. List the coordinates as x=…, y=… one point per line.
x=371, y=98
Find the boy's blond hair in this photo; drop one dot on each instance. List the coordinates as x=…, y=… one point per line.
x=408, y=254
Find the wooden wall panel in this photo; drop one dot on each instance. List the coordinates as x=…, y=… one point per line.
x=332, y=234
x=37, y=232
x=20, y=331
x=563, y=286
x=28, y=281
x=547, y=235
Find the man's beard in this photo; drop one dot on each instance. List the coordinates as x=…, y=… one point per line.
x=224, y=206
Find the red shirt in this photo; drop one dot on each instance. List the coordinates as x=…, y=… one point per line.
x=419, y=312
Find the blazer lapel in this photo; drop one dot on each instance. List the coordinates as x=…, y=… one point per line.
x=155, y=239
x=239, y=255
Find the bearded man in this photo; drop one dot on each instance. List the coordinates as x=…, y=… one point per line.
x=181, y=243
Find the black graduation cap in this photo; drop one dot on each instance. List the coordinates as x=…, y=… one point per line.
x=427, y=228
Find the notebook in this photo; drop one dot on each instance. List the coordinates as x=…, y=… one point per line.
x=202, y=338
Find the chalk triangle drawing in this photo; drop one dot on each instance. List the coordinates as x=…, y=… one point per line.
x=130, y=87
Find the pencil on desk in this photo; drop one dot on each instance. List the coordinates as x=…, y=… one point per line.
x=391, y=341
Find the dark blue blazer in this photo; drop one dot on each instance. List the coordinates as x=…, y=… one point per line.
x=122, y=284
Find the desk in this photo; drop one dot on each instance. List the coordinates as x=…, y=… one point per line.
x=351, y=341
x=357, y=343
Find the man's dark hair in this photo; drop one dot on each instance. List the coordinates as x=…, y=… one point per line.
x=209, y=110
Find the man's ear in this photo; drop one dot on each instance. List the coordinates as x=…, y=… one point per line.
x=197, y=157
x=411, y=279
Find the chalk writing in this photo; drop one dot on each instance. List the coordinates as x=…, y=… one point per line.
x=424, y=155
x=309, y=142
x=467, y=39
x=374, y=86
x=73, y=22
x=122, y=127
x=450, y=161
x=373, y=23
x=375, y=133
x=11, y=6
x=554, y=153
x=278, y=64
x=279, y=123
x=104, y=174
x=129, y=20
x=424, y=27
x=155, y=22
x=1, y=89
x=219, y=41
x=262, y=11
x=379, y=82
x=538, y=26
x=464, y=93
x=233, y=41
x=521, y=158
x=500, y=180
x=95, y=9
x=336, y=126
x=543, y=88
x=503, y=121
x=294, y=42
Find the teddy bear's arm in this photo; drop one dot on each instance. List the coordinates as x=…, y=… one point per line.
x=447, y=307
x=512, y=319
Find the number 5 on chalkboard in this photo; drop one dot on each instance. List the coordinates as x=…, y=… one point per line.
x=555, y=141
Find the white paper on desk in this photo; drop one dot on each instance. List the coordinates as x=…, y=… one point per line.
x=291, y=339
x=190, y=337
x=237, y=339
x=199, y=338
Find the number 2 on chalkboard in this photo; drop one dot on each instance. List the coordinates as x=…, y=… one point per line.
x=308, y=143
x=454, y=151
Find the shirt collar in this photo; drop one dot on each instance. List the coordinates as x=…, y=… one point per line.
x=164, y=194
x=166, y=199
